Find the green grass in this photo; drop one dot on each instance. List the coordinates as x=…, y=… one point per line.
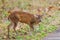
x=44, y=28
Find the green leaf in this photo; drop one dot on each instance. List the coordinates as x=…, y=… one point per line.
x=41, y=27
x=19, y=38
x=51, y=28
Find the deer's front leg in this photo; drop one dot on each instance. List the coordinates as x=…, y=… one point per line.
x=31, y=27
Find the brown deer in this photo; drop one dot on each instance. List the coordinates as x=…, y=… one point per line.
x=23, y=17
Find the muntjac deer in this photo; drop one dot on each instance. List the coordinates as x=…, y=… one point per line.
x=23, y=17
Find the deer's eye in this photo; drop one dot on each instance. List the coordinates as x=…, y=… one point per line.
x=39, y=20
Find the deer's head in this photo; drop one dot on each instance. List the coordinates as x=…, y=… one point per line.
x=38, y=18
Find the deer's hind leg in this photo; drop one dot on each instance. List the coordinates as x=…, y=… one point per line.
x=14, y=27
x=8, y=27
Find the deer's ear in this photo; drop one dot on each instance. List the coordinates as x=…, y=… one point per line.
x=35, y=15
x=39, y=16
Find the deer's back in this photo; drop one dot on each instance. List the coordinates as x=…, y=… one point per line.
x=21, y=17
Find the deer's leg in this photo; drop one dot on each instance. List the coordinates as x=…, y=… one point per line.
x=15, y=25
x=31, y=29
x=31, y=26
x=9, y=29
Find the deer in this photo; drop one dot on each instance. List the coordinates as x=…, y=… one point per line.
x=23, y=17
